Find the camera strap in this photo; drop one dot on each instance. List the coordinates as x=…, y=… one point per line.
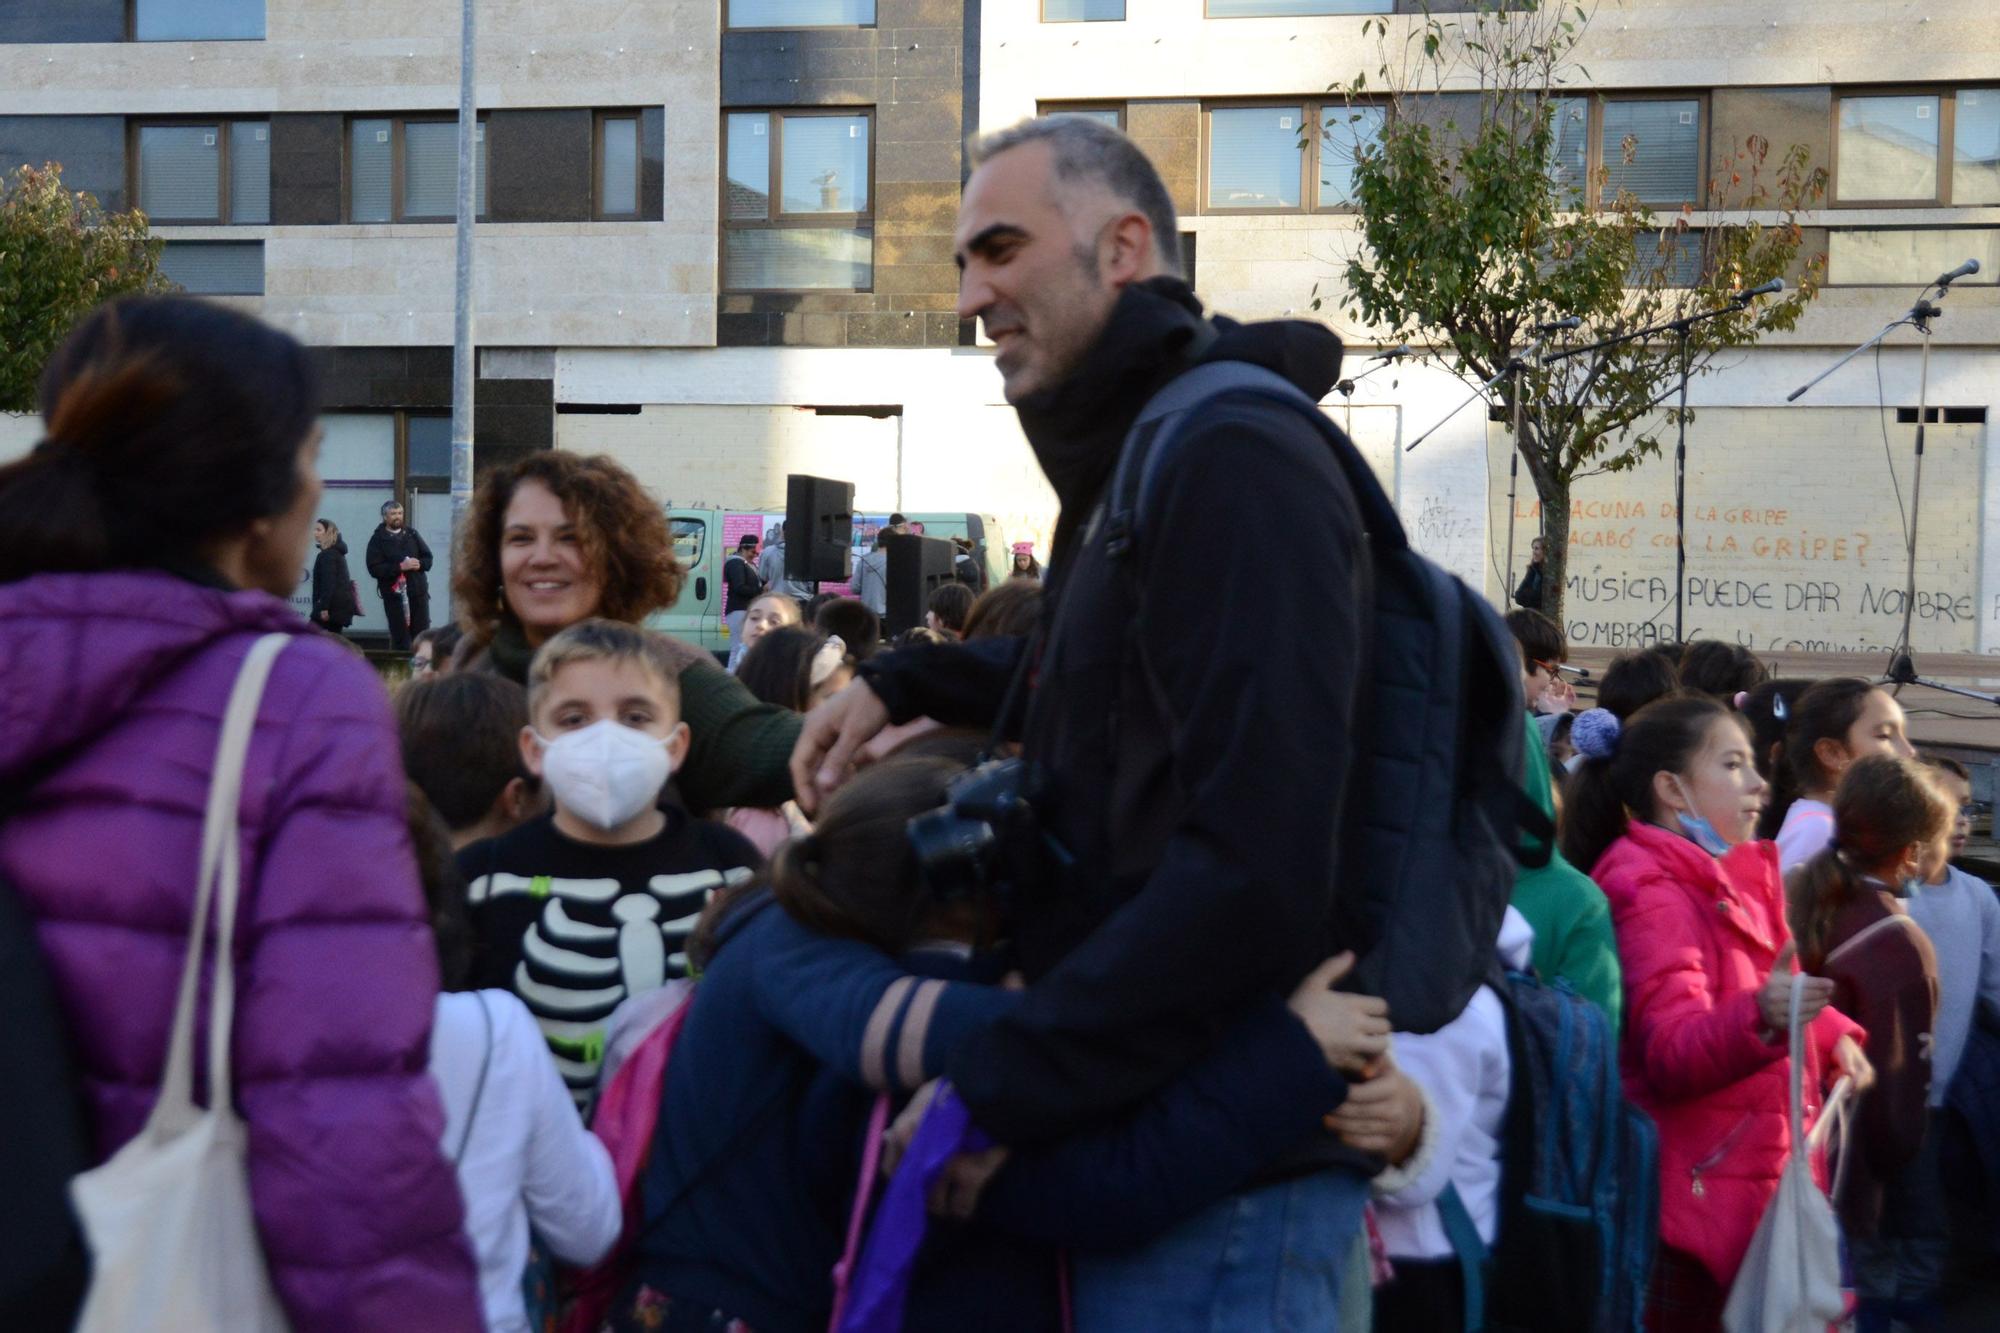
x=1013, y=699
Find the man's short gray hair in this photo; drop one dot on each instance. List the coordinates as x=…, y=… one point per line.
x=1087, y=150
x=387, y=505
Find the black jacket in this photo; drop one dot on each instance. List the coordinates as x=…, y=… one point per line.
x=744, y=583
x=1529, y=594
x=1197, y=743
x=333, y=587
x=387, y=550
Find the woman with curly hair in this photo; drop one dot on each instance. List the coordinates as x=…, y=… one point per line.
x=560, y=537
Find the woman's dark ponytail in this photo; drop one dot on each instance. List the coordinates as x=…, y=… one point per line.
x=170, y=424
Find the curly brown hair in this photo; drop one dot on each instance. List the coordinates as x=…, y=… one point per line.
x=623, y=531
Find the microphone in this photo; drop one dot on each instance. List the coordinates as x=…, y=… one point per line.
x=1392, y=354
x=1560, y=325
x=1965, y=270
x=1771, y=288
x=1581, y=673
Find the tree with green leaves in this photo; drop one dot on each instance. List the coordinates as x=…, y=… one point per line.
x=1478, y=222
x=61, y=255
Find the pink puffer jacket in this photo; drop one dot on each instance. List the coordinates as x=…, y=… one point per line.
x=1697, y=935
x=112, y=688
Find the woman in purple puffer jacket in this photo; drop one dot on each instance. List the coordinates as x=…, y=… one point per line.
x=144, y=545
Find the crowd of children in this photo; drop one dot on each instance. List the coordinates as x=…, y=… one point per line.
x=637, y=1055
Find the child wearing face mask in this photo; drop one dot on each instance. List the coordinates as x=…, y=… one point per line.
x=1663, y=810
x=593, y=902
x=1848, y=911
x=1829, y=726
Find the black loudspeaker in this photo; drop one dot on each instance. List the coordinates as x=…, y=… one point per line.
x=918, y=566
x=819, y=530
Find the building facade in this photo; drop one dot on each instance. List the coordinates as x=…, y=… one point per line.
x=715, y=241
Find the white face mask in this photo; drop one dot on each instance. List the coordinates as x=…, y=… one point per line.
x=606, y=773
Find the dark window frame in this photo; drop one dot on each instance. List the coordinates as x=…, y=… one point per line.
x=1313, y=111
x=397, y=124
x=400, y=483
x=1061, y=108
x=598, y=129
x=727, y=26
x=135, y=125
x=775, y=218
x=1947, y=155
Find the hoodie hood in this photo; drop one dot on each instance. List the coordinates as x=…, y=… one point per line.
x=1157, y=329
x=78, y=650
x=339, y=546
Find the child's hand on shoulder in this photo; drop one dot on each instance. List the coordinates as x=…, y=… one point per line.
x=1352, y=1030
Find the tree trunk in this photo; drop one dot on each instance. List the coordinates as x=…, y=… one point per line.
x=1554, y=492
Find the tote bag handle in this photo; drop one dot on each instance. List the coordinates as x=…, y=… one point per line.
x=216, y=892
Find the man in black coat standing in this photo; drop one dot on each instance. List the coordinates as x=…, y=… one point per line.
x=398, y=559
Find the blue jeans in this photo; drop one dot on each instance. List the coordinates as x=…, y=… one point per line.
x=1270, y=1258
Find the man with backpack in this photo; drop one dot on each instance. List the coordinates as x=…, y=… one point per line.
x=1189, y=774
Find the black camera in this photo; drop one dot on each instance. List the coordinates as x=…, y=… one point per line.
x=976, y=843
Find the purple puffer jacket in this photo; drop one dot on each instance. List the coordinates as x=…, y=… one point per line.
x=112, y=688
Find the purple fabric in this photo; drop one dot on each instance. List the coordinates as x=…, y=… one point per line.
x=882, y=1279
x=112, y=688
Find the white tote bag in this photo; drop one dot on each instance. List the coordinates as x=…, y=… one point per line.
x=1790, y=1279
x=173, y=1241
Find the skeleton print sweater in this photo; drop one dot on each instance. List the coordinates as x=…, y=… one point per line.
x=574, y=928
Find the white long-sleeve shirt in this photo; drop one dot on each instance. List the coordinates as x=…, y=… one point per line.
x=1464, y=1071
x=528, y=1157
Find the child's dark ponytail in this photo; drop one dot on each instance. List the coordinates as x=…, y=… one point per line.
x=1827, y=710
x=1885, y=804
x=1615, y=783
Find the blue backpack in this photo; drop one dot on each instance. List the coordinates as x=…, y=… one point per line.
x=1433, y=814
x=1579, y=1179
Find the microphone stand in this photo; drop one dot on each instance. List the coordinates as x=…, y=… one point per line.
x=1515, y=365
x=1902, y=669
x=1345, y=388
x=1680, y=328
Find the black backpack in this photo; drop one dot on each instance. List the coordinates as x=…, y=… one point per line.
x=44, y=1140
x=1579, y=1178
x=1435, y=809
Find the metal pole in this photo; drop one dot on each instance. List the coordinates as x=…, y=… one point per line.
x=1680, y=498
x=1924, y=313
x=461, y=345
x=1513, y=477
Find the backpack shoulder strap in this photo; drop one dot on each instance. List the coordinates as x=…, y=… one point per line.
x=1148, y=444
x=1469, y=1250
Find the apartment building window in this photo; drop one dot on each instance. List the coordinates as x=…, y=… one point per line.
x=798, y=201
x=1921, y=148
x=197, y=20
x=1104, y=113
x=215, y=268
x=1083, y=11
x=1261, y=160
x=617, y=165
x=210, y=171
x=798, y=13
x=1671, y=258
x=1286, y=9
x=1909, y=256
x=1650, y=147
x=405, y=169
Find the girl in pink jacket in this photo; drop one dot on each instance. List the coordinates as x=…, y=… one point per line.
x=1663, y=809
